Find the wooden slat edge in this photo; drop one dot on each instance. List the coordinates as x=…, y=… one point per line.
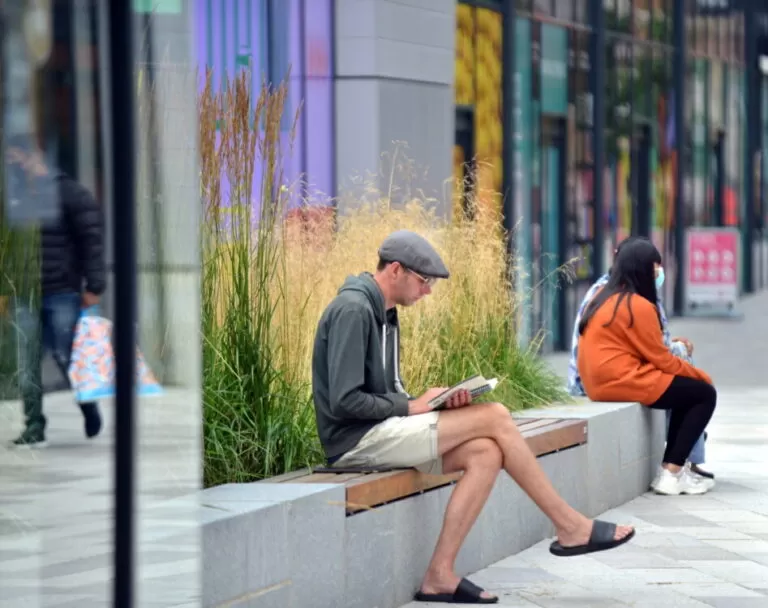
x=371, y=492
x=286, y=476
x=558, y=436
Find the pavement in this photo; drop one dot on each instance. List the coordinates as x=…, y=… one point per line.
x=705, y=551
x=56, y=507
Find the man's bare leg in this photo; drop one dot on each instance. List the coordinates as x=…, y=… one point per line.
x=493, y=421
x=480, y=459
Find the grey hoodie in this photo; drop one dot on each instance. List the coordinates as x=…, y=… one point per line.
x=355, y=366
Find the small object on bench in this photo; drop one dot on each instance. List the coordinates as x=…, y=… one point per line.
x=358, y=469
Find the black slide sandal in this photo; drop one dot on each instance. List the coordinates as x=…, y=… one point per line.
x=601, y=539
x=466, y=593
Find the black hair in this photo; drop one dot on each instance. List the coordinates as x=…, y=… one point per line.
x=633, y=273
x=620, y=246
x=382, y=264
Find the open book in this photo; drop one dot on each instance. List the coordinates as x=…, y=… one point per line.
x=476, y=385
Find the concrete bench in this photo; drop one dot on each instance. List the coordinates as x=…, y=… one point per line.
x=369, y=488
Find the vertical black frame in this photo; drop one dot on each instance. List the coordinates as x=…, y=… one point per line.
x=597, y=86
x=563, y=322
x=123, y=202
x=752, y=102
x=679, y=78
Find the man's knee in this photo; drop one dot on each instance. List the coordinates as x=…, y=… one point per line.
x=486, y=453
x=497, y=412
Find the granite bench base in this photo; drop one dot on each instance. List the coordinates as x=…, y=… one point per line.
x=287, y=545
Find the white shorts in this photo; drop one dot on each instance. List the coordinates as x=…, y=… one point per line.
x=400, y=441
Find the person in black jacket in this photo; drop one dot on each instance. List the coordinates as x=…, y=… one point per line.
x=72, y=277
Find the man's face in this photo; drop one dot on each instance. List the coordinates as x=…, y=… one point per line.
x=20, y=160
x=15, y=158
x=411, y=286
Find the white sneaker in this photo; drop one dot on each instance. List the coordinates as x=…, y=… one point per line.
x=705, y=481
x=674, y=484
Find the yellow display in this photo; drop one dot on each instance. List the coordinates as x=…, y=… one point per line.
x=479, y=84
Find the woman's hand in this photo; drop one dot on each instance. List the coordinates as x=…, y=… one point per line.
x=688, y=344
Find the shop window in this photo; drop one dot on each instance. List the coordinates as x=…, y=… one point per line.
x=641, y=19
x=564, y=10
x=712, y=37
x=581, y=11
x=542, y=7
x=658, y=21
x=524, y=6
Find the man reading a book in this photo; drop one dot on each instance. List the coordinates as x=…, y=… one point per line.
x=365, y=417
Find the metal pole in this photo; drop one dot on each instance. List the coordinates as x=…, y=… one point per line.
x=123, y=213
x=752, y=128
x=597, y=86
x=680, y=51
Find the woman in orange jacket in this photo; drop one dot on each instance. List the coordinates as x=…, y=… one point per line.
x=622, y=357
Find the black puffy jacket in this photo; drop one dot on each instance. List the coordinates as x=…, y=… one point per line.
x=73, y=246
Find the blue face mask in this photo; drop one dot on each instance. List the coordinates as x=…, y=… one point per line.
x=660, y=278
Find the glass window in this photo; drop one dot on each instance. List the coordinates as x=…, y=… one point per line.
x=543, y=7
x=700, y=33
x=712, y=37
x=659, y=21
x=739, y=38
x=564, y=10
x=623, y=16
x=479, y=84
x=581, y=11
x=642, y=19
x=524, y=5
x=723, y=26
x=642, y=80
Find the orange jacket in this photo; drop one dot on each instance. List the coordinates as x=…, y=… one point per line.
x=623, y=363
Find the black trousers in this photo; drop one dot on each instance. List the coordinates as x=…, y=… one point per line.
x=691, y=403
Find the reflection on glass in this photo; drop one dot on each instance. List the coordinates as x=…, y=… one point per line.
x=56, y=369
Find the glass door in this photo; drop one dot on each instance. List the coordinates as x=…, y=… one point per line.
x=463, y=157
x=641, y=213
x=551, y=314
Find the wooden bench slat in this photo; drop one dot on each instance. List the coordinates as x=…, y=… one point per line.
x=379, y=488
x=525, y=422
x=535, y=424
x=560, y=435
x=328, y=477
x=286, y=477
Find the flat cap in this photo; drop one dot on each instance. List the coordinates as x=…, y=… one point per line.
x=414, y=252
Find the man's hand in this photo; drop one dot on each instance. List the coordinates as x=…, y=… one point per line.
x=421, y=405
x=90, y=299
x=688, y=344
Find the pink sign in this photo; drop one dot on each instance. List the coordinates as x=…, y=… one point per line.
x=713, y=266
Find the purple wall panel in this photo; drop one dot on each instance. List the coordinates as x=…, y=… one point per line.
x=232, y=34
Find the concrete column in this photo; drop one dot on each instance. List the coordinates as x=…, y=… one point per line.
x=394, y=83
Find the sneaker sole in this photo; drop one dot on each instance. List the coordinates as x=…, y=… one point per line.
x=30, y=446
x=687, y=492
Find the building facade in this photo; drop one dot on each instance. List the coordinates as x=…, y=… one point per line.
x=569, y=109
